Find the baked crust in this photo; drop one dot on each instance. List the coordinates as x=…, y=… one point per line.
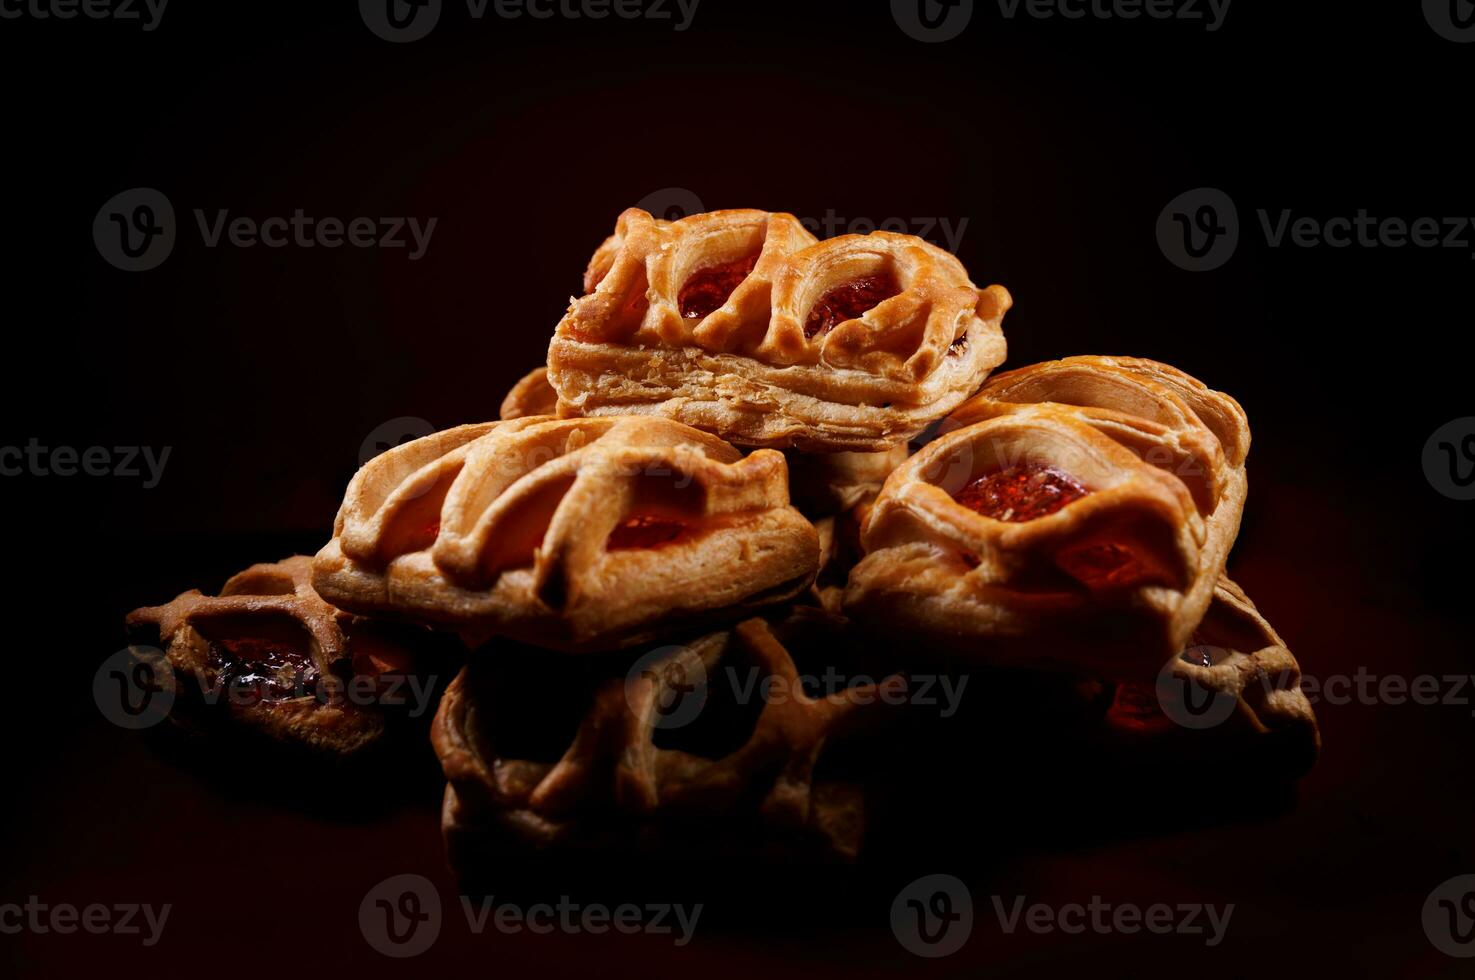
x=1272, y=716
x=596, y=776
x=274, y=606
x=532, y=395
x=826, y=484
x=509, y=528
x=1111, y=584
x=751, y=370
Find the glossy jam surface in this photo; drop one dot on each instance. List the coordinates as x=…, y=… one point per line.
x=850, y=300
x=644, y=531
x=709, y=288
x=1021, y=493
x=252, y=669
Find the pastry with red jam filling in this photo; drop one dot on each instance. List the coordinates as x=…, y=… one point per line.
x=1075, y=514
x=269, y=655
x=582, y=535
x=743, y=324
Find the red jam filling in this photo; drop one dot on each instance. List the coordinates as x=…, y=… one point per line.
x=709, y=288
x=644, y=531
x=253, y=669
x=850, y=300
x=1021, y=493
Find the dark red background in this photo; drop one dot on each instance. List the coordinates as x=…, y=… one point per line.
x=1059, y=142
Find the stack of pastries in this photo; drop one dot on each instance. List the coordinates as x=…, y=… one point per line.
x=751, y=450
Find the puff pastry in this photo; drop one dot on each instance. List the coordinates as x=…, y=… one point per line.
x=1234, y=653
x=576, y=534
x=553, y=754
x=1077, y=513
x=826, y=484
x=741, y=323
x=532, y=395
x=277, y=657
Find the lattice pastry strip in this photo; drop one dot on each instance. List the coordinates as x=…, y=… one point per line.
x=277, y=657
x=1090, y=503
x=613, y=779
x=1234, y=653
x=532, y=395
x=579, y=534
x=741, y=323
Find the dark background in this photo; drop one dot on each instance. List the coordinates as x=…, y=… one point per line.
x=1059, y=141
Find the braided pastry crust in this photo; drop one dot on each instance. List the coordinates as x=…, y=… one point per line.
x=580, y=764
x=278, y=655
x=1078, y=513
x=741, y=323
x=577, y=534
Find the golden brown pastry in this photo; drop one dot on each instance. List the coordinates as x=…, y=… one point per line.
x=824, y=484
x=532, y=395
x=545, y=750
x=1078, y=514
x=741, y=323
x=271, y=655
x=576, y=534
x=1237, y=687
